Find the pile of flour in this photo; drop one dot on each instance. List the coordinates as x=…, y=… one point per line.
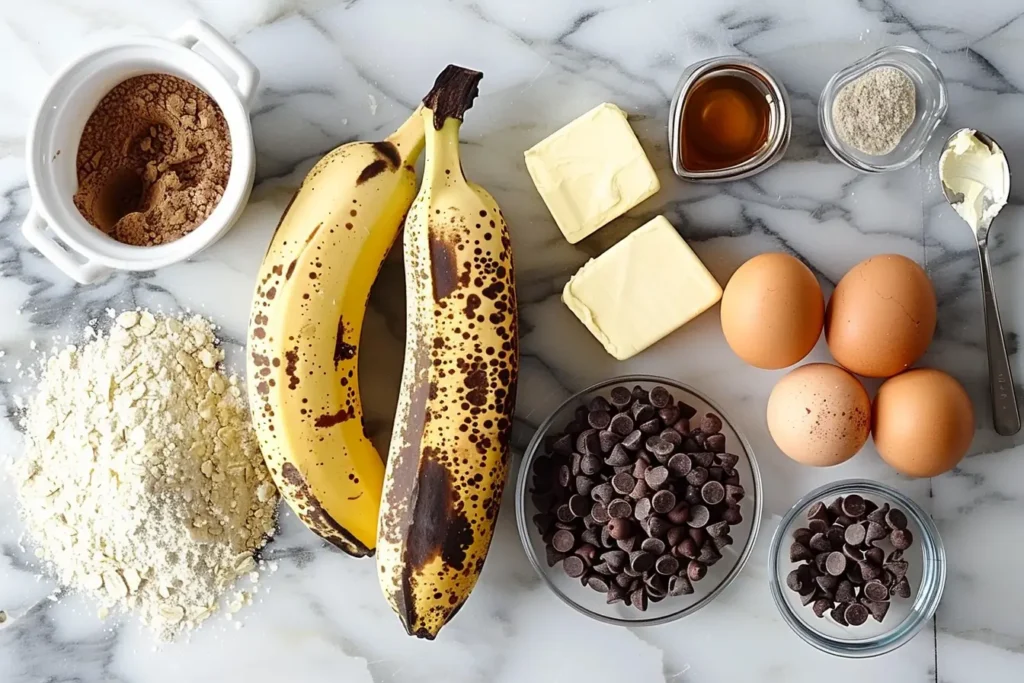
x=142, y=484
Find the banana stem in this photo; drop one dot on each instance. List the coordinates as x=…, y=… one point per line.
x=453, y=94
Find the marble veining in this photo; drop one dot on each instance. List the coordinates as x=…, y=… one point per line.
x=334, y=71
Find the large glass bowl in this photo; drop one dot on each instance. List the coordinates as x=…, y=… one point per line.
x=927, y=575
x=720, y=575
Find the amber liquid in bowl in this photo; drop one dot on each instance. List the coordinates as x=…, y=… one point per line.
x=725, y=122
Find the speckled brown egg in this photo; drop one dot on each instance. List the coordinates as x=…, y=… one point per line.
x=819, y=415
x=923, y=422
x=772, y=311
x=881, y=316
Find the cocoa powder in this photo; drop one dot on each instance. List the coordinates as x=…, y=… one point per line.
x=153, y=160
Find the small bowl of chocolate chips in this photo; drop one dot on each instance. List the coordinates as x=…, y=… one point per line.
x=857, y=568
x=638, y=501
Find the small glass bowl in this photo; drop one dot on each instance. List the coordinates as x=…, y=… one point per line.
x=720, y=575
x=931, y=108
x=927, y=576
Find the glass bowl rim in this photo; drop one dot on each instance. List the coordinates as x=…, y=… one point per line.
x=829, y=92
x=933, y=573
x=533, y=450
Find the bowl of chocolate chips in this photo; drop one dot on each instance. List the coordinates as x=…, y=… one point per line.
x=638, y=502
x=857, y=568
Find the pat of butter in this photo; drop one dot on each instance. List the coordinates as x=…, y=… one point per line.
x=643, y=288
x=591, y=171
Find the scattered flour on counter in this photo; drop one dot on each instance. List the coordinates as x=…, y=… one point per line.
x=143, y=484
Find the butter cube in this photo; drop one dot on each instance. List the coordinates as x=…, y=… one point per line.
x=591, y=171
x=643, y=288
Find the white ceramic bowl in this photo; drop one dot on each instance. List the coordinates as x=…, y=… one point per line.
x=54, y=225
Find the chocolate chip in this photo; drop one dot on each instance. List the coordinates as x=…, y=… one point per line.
x=675, y=536
x=843, y=521
x=603, y=493
x=698, y=476
x=671, y=436
x=615, y=594
x=679, y=514
x=835, y=508
x=598, y=583
x=619, y=529
x=641, y=560
x=732, y=514
x=827, y=583
x=845, y=592
x=716, y=443
x=820, y=543
x=638, y=599
x=616, y=559
x=854, y=507
x=666, y=565
x=584, y=485
x=699, y=516
x=633, y=441
x=688, y=548
x=679, y=585
x=680, y=464
x=619, y=509
x=670, y=415
x=853, y=573
x=895, y=556
x=794, y=581
x=642, y=412
x=802, y=535
x=876, y=591
x=656, y=526
x=835, y=536
x=590, y=464
x=717, y=529
x=703, y=459
x=656, y=477
x=691, y=494
x=874, y=532
x=652, y=426
x=818, y=526
x=587, y=552
x=878, y=609
x=608, y=441
x=620, y=397
x=819, y=561
x=852, y=552
x=588, y=442
x=642, y=509
x=696, y=570
x=713, y=493
x=902, y=588
x=543, y=522
x=553, y=556
x=599, y=419
x=838, y=615
x=818, y=511
x=605, y=569
x=591, y=536
x=808, y=598
x=564, y=514
x=711, y=424
x=640, y=491
x=869, y=571
x=820, y=606
x=875, y=556
x=663, y=502
x=799, y=552
x=660, y=448
x=856, y=614
x=878, y=515
x=901, y=539
x=855, y=534
x=573, y=566
x=898, y=568
x=627, y=544
x=835, y=564
x=623, y=483
x=563, y=541
x=722, y=541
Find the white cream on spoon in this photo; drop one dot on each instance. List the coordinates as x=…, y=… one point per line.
x=975, y=178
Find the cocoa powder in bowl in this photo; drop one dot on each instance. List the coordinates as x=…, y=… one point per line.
x=153, y=160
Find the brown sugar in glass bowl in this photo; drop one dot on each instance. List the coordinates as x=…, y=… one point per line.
x=153, y=160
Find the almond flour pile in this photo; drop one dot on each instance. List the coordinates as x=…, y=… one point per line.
x=143, y=485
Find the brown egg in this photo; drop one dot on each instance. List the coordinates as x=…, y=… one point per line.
x=923, y=422
x=819, y=414
x=881, y=316
x=772, y=311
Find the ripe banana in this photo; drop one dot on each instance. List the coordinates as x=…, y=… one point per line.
x=449, y=450
x=307, y=315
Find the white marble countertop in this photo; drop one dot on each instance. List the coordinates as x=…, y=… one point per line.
x=337, y=71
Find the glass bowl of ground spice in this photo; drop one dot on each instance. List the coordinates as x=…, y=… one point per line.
x=879, y=113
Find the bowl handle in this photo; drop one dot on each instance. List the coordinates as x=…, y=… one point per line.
x=82, y=271
x=247, y=76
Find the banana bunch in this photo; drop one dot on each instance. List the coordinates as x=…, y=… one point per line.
x=448, y=459
x=431, y=514
x=303, y=345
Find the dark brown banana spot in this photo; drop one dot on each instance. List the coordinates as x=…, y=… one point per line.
x=444, y=268
x=440, y=529
x=316, y=518
x=271, y=293
x=263, y=388
x=342, y=349
x=292, y=362
x=291, y=269
x=333, y=419
x=472, y=303
x=389, y=151
x=259, y=333
x=372, y=170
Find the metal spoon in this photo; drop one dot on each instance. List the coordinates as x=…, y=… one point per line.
x=1005, y=413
